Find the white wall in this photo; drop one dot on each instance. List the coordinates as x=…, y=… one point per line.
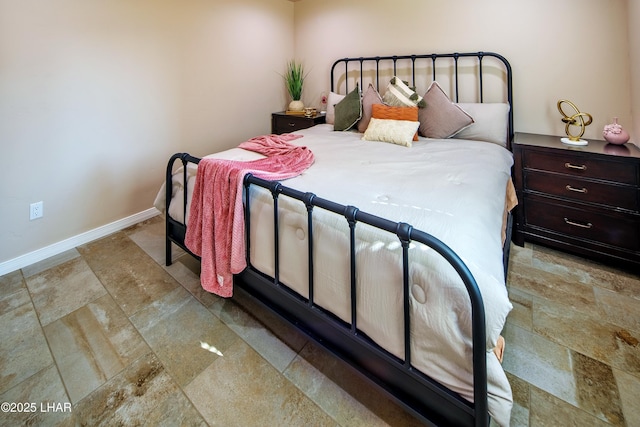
x=95, y=97
x=574, y=49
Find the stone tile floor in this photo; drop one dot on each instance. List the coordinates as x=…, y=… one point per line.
x=105, y=334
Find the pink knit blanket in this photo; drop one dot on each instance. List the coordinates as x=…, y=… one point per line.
x=216, y=218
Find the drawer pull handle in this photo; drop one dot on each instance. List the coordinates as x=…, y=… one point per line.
x=578, y=167
x=577, y=224
x=577, y=190
x=292, y=124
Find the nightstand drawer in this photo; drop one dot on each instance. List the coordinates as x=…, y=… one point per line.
x=620, y=231
x=286, y=123
x=590, y=167
x=616, y=196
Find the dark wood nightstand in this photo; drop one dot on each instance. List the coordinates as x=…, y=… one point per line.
x=582, y=199
x=285, y=123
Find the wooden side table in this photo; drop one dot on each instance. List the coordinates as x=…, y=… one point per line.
x=285, y=123
x=582, y=199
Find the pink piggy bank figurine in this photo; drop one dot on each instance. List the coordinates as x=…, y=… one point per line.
x=614, y=134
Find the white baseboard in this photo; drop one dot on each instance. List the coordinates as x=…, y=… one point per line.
x=72, y=242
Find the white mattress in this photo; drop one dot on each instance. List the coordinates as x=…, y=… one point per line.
x=452, y=189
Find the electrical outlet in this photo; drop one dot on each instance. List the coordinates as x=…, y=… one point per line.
x=36, y=210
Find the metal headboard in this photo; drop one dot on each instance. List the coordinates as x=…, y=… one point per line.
x=374, y=63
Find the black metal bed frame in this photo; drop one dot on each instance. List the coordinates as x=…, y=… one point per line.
x=425, y=398
x=433, y=58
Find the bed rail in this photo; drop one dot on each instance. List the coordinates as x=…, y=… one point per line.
x=403, y=379
x=429, y=62
x=176, y=230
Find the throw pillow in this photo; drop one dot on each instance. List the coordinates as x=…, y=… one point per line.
x=369, y=98
x=380, y=111
x=398, y=132
x=441, y=118
x=400, y=94
x=333, y=99
x=490, y=122
x=348, y=111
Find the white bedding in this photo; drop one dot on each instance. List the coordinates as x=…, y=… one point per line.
x=452, y=189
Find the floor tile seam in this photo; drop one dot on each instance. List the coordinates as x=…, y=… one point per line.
x=164, y=269
x=267, y=329
x=573, y=372
x=596, y=315
x=537, y=299
x=194, y=406
x=299, y=356
x=622, y=400
x=183, y=391
x=586, y=264
x=562, y=280
x=20, y=307
x=281, y=373
x=10, y=296
x=168, y=371
x=538, y=389
x=53, y=358
x=589, y=414
x=187, y=384
x=612, y=326
x=603, y=312
x=529, y=402
x=124, y=314
x=53, y=363
x=542, y=337
x=144, y=355
x=304, y=393
x=597, y=285
x=635, y=375
x=572, y=369
x=554, y=277
x=149, y=347
x=239, y=306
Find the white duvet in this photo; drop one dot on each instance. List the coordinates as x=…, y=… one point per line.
x=452, y=189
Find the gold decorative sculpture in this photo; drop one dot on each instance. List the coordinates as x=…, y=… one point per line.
x=577, y=119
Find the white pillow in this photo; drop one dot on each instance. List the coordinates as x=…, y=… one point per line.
x=333, y=99
x=398, y=132
x=491, y=122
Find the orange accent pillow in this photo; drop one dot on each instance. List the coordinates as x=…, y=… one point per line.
x=381, y=111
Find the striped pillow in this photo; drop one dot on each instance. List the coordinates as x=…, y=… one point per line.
x=399, y=94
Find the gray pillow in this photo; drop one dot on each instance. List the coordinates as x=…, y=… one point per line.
x=369, y=97
x=441, y=118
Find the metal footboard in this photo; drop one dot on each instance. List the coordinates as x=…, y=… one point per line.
x=176, y=230
x=421, y=395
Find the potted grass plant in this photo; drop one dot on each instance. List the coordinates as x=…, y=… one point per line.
x=294, y=79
